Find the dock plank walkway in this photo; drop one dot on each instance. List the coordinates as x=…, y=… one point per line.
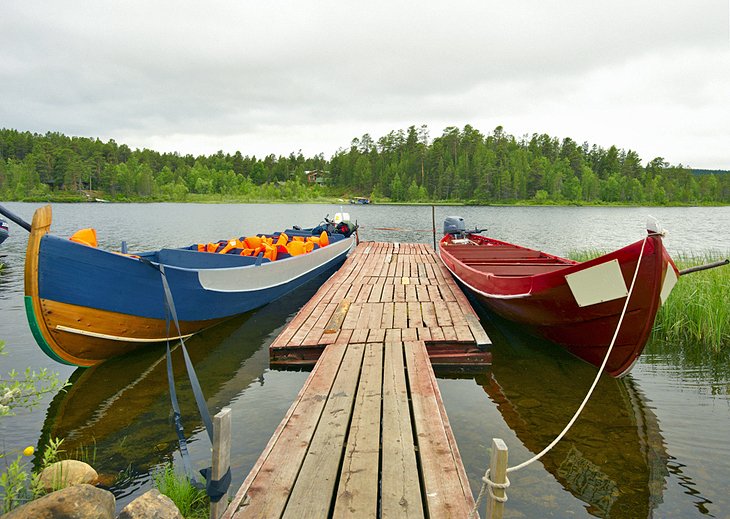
x=387, y=292
x=367, y=436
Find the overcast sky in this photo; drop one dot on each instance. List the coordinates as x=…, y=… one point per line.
x=277, y=77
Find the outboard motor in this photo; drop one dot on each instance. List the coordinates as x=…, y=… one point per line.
x=455, y=226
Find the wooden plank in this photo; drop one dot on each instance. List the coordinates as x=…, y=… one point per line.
x=335, y=323
x=315, y=485
x=388, y=312
x=411, y=294
x=401, y=492
x=221, y=456
x=393, y=335
x=449, y=333
x=437, y=334
x=376, y=335
x=268, y=485
x=442, y=314
x=364, y=317
x=377, y=291
x=445, y=495
x=434, y=294
x=424, y=334
x=400, y=315
x=457, y=313
x=409, y=334
x=359, y=335
x=315, y=334
x=480, y=336
x=376, y=316
x=414, y=315
x=388, y=295
x=364, y=294
x=353, y=314
x=357, y=494
x=399, y=292
x=428, y=314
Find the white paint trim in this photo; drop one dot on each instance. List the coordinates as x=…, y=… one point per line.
x=252, y=278
x=86, y=333
x=487, y=294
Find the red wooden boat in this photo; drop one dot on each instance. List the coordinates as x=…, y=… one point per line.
x=575, y=305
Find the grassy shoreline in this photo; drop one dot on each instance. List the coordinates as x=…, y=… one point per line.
x=229, y=199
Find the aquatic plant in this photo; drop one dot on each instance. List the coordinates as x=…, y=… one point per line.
x=18, y=484
x=25, y=390
x=192, y=502
x=697, y=313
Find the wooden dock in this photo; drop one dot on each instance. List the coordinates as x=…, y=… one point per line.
x=366, y=437
x=387, y=292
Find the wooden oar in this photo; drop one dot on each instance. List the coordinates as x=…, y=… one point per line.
x=704, y=267
x=14, y=218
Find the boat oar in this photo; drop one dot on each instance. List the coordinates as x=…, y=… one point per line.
x=14, y=218
x=704, y=267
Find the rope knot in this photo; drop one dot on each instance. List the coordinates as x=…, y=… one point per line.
x=491, y=484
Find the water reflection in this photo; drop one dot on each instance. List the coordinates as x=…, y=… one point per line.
x=120, y=410
x=614, y=458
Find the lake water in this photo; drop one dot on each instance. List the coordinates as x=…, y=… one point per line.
x=655, y=443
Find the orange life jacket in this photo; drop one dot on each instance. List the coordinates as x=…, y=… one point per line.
x=295, y=247
x=324, y=239
x=232, y=244
x=85, y=237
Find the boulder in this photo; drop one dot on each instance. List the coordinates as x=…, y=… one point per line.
x=151, y=505
x=65, y=473
x=74, y=502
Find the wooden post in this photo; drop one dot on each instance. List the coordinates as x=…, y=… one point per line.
x=497, y=474
x=221, y=456
x=433, y=225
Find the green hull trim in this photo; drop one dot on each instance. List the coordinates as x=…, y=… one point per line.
x=38, y=335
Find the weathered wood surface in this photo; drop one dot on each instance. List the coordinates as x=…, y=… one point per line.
x=367, y=437
x=387, y=292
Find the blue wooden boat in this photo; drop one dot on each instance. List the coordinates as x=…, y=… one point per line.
x=85, y=304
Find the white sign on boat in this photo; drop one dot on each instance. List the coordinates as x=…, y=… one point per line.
x=603, y=282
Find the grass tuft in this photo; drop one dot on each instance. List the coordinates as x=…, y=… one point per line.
x=192, y=502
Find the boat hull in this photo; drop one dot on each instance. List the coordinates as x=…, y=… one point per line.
x=85, y=305
x=545, y=305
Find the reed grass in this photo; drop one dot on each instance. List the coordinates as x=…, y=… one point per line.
x=192, y=502
x=697, y=312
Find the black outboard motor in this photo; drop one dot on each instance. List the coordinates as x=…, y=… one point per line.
x=455, y=226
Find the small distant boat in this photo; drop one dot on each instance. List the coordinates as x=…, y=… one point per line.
x=85, y=304
x=575, y=305
x=4, y=231
x=360, y=200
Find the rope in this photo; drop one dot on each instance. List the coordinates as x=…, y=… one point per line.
x=487, y=483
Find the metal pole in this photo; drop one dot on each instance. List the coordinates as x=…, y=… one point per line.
x=14, y=218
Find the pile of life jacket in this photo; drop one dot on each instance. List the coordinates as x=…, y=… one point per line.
x=272, y=247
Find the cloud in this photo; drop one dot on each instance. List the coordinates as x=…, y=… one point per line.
x=278, y=76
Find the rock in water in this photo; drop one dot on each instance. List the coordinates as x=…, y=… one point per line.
x=65, y=473
x=151, y=505
x=74, y=502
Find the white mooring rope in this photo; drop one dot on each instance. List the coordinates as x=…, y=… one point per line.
x=488, y=483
